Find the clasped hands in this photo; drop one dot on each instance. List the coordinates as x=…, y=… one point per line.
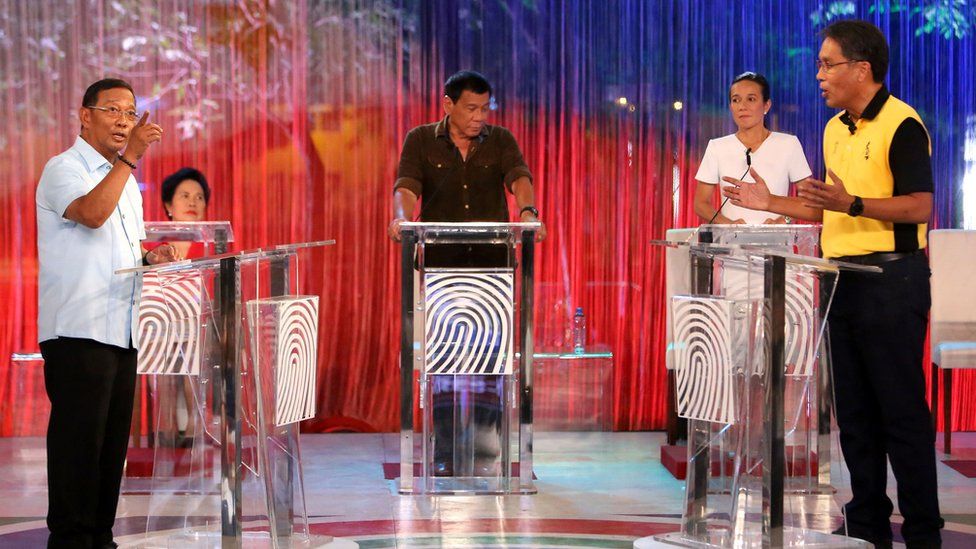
x=165, y=253
x=813, y=192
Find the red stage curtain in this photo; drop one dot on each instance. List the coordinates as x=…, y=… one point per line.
x=296, y=112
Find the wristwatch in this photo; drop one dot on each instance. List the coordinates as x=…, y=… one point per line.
x=530, y=209
x=857, y=207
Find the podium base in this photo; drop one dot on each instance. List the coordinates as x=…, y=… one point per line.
x=792, y=537
x=209, y=539
x=471, y=486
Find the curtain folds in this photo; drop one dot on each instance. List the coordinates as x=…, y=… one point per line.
x=296, y=111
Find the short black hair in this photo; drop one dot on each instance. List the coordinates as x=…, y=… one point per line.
x=91, y=94
x=861, y=41
x=462, y=81
x=168, y=188
x=753, y=77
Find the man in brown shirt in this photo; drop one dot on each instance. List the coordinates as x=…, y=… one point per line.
x=460, y=169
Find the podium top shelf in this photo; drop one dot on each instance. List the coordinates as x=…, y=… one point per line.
x=427, y=231
x=213, y=261
x=189, y=231
x=756, y=251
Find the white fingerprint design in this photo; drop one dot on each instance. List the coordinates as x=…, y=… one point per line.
x=169, y=324
x=704, y=365
x=801, y=315
x=802, y=320
x=297, y=356
x=468, y=322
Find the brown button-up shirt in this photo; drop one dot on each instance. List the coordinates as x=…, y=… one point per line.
x=453, y=189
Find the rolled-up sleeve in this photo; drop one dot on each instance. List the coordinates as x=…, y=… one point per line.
x=512, y=163
x=410, y=173
x=60, y=185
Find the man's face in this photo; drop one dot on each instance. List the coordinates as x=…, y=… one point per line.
x=469, y=113
x=106, y=131
x=840, y=78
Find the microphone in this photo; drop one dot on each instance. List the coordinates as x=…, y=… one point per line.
x=748, y=166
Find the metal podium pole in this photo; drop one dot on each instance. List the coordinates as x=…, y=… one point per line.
x=774, y=471
x=525, y=363
x=409, y=244
x=230, y=428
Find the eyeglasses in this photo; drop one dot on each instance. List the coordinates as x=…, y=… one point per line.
x=115, y=112
x=827, y=67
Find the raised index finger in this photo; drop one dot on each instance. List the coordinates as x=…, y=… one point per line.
x=142, y=121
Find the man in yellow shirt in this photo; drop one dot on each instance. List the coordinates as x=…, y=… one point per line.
x=874, y=211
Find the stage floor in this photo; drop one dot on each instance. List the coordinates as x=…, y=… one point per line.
x=595, y=490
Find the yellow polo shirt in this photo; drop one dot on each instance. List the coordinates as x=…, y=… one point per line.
x=859, y=153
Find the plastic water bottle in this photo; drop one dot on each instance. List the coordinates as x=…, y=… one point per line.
x=579, y=331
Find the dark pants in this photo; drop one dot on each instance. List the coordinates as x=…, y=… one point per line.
x=91, y=387
x=877, y=334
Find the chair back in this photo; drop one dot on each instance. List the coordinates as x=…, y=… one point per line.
x=952, y=258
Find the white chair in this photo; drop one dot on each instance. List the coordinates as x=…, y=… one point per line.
x=952, y=258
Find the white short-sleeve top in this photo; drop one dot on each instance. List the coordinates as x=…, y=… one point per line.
x=779, y=161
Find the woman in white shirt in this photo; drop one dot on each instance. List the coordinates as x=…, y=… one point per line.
x=777, y=157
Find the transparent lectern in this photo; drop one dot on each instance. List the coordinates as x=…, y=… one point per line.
x=165, y=390
x=458, y=364
x=239, y=316
x=807, y=386
x=731, y=360
x=213, y=235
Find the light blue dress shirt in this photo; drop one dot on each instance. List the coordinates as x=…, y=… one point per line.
x=78, y=293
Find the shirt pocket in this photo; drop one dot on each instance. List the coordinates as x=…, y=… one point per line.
x=440, y=168
x=486, y=173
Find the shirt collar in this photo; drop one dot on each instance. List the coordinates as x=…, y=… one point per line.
x=441, y=130
x=93, y=159
x=870, y=112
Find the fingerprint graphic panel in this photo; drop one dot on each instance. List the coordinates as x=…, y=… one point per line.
x=169, y=324
x=802, y=322
x=468, y=322
x=713, y=341
x=802, y=318
x=295, y=372
x=284, y=339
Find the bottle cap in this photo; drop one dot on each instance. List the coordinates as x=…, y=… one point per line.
x=579, y=310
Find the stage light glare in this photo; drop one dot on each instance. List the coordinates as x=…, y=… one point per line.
x=622, y=101
x=678, y=105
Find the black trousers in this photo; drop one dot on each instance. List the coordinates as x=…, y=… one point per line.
x=877, y=335
x=91, y=387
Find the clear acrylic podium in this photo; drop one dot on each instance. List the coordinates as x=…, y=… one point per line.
x=237, y=323
x=731, y=359
x=460, y=374
x=214, y=235
x=807, y=384
x=169, y=395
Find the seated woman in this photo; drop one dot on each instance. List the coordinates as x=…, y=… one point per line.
x=777, y=157
x=185, y=195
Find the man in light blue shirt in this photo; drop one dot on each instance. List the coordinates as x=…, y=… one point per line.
x=89, y=224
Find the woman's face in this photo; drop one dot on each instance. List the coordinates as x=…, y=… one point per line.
x=188, y=202
x=747, y=105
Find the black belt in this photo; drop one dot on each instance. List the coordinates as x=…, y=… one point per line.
x=877, y=258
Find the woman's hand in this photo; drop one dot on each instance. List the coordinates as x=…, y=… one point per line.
x=754, y=196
